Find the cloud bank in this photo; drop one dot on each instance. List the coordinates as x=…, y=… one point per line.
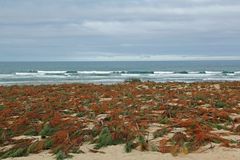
x=119, y=30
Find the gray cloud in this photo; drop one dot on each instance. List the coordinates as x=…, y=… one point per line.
x=72, y=29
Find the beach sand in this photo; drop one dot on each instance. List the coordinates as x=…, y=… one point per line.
x=117, y=153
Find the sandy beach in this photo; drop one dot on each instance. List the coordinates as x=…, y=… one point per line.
x=134, y=120
x=117, y=152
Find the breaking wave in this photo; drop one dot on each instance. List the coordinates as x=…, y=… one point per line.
x=70, y=76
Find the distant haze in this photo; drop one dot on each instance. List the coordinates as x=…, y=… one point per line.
x=103, y=30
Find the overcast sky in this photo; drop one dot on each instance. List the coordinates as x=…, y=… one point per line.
x=58, y=30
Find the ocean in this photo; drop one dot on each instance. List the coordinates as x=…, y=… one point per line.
x=12, y=73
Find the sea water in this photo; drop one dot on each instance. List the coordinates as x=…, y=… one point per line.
x=115, y=72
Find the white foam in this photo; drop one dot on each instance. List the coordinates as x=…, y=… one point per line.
x=25, y=74
x=44, y=76
x=163, y=72
x=94, y=72
x=51, y=72
x=5, y=75
x=131, y=75
x=221, y=79
x=213, y=72
x=193, y=73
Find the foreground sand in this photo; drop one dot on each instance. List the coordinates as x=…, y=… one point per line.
x=117, y=153
x=152, y=120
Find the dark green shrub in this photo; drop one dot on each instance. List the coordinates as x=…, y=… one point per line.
x=31, y=132
x=80, y=114
x=220, y=104
x=141, y=139
x=48, y=144
x=47, y=130
x=104, y=139
x=129, y=146
x=2, y=107
x=60, y=155
x=20, y=152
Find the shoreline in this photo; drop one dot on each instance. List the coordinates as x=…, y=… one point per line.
x=170, y=120
x=113, y=83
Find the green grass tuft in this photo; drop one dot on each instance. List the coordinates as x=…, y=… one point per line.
x=47, y=130
x=141, y=140
x=105, y=138
x=4, y=134
x=218, y=126
x=128, y=146
x=160, y=133
x=164, y=120
x=220, y=104
x=2, y=137
x=31, y=132
x=60, y=155
x=2, y=107
x=199, y=97
x=48, y=144
x=80, y=114
x=31, y=148
x=20, y=152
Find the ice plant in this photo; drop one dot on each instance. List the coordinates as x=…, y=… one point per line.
x=67, y=116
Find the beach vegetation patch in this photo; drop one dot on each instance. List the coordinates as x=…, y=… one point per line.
x=104, y=139
x=129, y=146
x=5, y=134
x=67, y=112
x=163, y=120
x=219, y=126
x=2, y=107
x=60, y=155
x=220, y=104
x=80, y=114
x=160, y=132
x=118, y=114
x=31, y=132
x=16, y=152
x=36, y=147
x=200, y=98
x=2, y=136
x=179, y=138
x=48, y=144
x=143, y=143
x=47, y=130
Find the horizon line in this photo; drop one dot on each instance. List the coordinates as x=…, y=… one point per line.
x=120, y=60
